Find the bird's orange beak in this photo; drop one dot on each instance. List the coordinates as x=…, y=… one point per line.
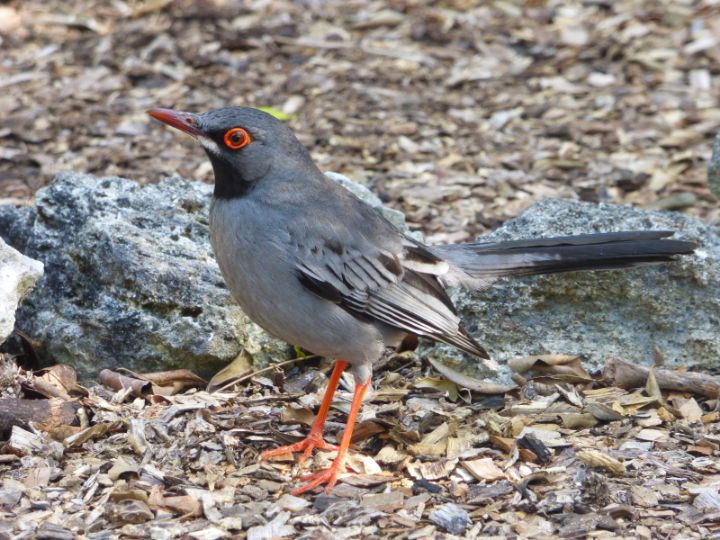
x=184, y=121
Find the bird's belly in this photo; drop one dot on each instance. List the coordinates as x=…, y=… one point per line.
x=283, y=307
x=264, y=285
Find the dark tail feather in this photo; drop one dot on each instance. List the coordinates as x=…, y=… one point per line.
x=565, y=253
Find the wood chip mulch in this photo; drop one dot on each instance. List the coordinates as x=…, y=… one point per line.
x=560, y=453
x=460, y=113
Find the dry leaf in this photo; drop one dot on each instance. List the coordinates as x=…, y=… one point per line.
x=602, y=412
x=291, y=503
x=440, y=384
x=428, y=449
x=93, y=432
x=651, y=387
x=665, y=415
x=432, y=444
x=294, y=415
x=652, y=435
x=367, y=480
x=117, y=382
x=242, y=365
x=549, y=437
x=601, y=460
x=578, y=420
x=465, y=381
x=484, y=469
x=129, y=494
x=362, y=464
x=558, y=367
x=58, y=381
x=385, y=502
x=122, y=468
x=690, y=410
x=38, y=477
x=503, y=443
x=701, y=450
x=432, y=470
x=183, y=504
x=390, y=455
x=457, y=445
x=644, y=497
x=171, y=382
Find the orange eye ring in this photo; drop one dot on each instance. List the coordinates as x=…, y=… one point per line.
x=237, y=138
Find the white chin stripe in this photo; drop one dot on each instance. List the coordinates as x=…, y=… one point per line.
x=210, y=145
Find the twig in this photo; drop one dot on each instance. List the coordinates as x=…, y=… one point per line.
x=626, y=375
x=263, y=370
x=20, y=412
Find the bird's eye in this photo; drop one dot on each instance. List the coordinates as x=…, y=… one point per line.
x=237, y=138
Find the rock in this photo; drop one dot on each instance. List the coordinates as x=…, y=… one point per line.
x=16, y=225
x=714, y=168
x=130, y=279
x=672, y=307
x=18, y=275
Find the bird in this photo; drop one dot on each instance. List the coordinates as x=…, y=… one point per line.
x=317, y=267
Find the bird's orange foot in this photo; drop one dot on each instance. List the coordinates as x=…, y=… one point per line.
x=327, y=476
x=306, y=446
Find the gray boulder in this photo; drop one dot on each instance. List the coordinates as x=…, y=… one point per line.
x=130, y=279
x=18, y=275
x=629, y=313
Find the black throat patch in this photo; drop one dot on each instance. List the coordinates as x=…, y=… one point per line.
x=228, y=184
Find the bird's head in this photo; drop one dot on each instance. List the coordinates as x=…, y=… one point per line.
x=244, y=145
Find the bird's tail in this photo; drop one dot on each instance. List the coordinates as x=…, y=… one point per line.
x=601, y=251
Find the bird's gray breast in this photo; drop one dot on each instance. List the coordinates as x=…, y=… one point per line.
x=254, y=247
x=245, y=239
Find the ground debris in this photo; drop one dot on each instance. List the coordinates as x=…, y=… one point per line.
x=451, y=517
x=517, y=101
x=187, y=464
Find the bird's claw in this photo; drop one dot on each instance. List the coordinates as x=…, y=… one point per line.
x=306, y=446
x=327, y=476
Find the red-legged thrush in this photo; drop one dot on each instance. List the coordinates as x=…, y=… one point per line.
x=317, y=267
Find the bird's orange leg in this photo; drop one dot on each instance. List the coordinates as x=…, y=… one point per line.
x=314, y=438
x=329, y=475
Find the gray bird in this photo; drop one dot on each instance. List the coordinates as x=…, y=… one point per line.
x=317, y=267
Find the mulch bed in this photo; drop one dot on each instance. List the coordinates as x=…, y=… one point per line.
x=461, y=114
x=561, y=453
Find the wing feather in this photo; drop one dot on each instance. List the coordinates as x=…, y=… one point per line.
x=377, y=284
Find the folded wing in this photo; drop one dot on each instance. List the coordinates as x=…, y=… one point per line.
x=400, y=289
